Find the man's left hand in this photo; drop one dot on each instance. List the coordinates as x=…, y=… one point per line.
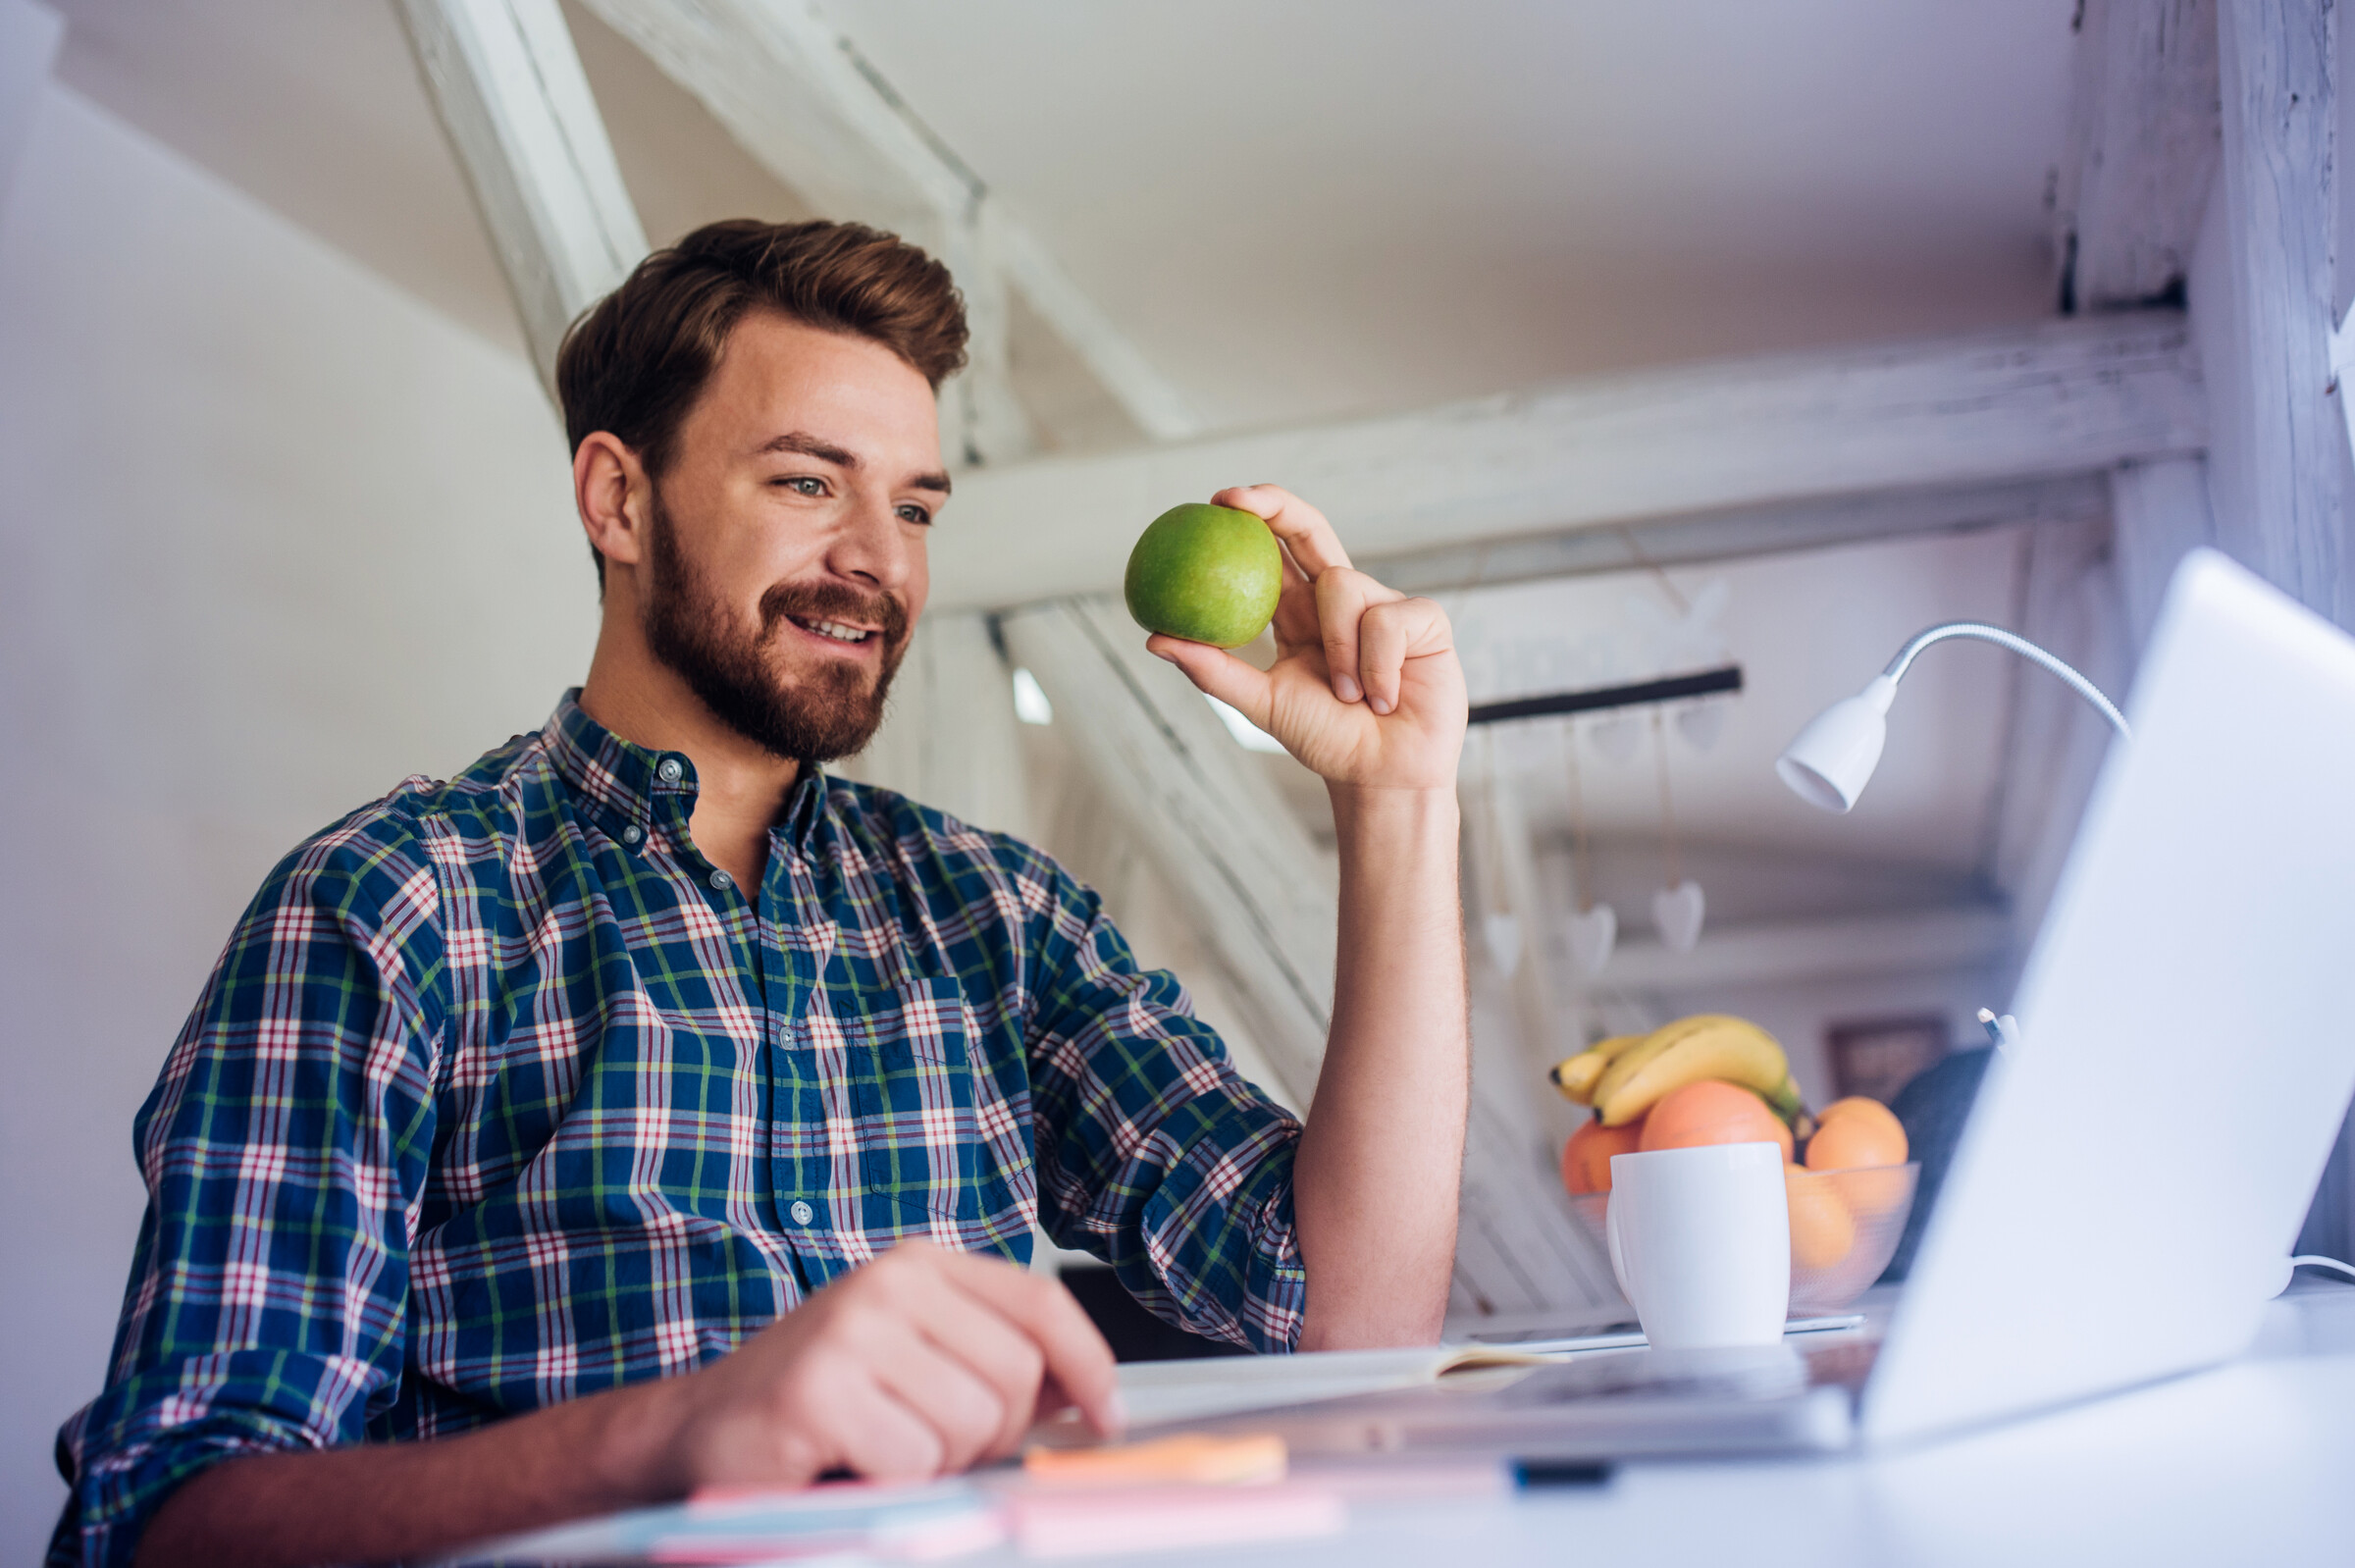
x=1365, y=690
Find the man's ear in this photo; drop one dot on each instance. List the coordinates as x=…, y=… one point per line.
x=613, y=496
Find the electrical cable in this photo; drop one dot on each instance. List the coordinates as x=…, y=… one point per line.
x=2310, y=1260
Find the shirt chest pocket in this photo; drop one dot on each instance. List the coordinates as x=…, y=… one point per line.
x=912, y=1092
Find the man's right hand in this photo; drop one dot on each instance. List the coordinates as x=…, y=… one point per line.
x=917, y=1364
x=920, y=1363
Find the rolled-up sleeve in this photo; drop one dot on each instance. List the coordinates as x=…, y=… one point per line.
x=284, y=1149
x=1153, y=1152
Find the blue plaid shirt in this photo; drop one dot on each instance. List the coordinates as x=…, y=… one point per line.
x=502, y=1094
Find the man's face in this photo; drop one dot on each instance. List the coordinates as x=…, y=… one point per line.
x=785, y=553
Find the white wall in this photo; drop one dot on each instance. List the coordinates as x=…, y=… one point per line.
x=275, y=535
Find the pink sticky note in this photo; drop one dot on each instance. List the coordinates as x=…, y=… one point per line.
x=1073, y=1524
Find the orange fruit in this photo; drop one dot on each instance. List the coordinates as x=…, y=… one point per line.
x=1854, y=1134
x=1586, y=1157
x=1875, y=1190
x=1821, y=1228
x=1707, y=1111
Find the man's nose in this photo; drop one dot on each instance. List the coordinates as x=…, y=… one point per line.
x=871, y=546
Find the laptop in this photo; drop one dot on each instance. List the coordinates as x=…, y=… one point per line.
x=2135, y=1170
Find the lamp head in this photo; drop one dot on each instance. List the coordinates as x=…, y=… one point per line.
x=1827, y=764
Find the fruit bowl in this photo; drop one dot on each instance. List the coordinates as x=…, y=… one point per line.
x=1845, y=1226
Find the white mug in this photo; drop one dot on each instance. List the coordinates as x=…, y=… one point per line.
x=1700, y=1240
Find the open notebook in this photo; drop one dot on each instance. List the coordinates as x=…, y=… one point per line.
x=1159, y=1391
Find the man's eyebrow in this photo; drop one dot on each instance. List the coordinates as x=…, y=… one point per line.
x=826, y=452
x=809, y=446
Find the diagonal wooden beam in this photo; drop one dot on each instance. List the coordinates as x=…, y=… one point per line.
x=1261, y=896
x=517, y=109
x=2058, y=398
x=817, y=113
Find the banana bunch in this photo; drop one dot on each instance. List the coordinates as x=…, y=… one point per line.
x=1626, y=1075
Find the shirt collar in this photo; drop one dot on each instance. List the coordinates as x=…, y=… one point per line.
x=621, y=785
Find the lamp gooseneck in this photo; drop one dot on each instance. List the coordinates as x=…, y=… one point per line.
x=1981, y=632
x=1828, y=762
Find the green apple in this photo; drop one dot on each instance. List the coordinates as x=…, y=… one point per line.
x=1209, y=574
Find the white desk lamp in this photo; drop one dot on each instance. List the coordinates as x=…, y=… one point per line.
x=1828, y=762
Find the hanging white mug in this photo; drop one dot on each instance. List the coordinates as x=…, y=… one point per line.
x=1700, y=1240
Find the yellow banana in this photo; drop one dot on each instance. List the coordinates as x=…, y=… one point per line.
x=1636, y=1057
x=1711, y=1045
x=1577, y=1076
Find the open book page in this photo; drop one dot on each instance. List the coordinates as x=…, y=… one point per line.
x=1156, y=1391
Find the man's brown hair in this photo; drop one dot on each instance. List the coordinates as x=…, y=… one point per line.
x=635, y=364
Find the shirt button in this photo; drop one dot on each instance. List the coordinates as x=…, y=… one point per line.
x=721, y=881
x=669, y=772
x=632, y=834
x=802, y=1213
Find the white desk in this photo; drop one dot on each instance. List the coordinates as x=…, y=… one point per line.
x=2251, y=1463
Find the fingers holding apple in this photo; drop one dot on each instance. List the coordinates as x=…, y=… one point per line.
x=1306, y=532
x=1393, y=632
x=1366, y=688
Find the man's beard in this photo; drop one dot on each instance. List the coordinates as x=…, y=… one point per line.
x=689, y=627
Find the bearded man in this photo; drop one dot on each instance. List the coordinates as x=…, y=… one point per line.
x=643, y=1109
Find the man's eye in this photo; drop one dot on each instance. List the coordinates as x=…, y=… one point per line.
x=912, y=513
x=804, y=484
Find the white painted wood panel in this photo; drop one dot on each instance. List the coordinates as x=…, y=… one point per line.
x=30, y=35
x=2279, y=509
x=2054, y=740
x=2144, y=145
x=515, y=103
x=2053, y=398
x=2158, y=511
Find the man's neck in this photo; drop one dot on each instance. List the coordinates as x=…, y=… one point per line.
x=741, y=786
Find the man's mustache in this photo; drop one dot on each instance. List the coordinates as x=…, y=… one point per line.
x=833, y=601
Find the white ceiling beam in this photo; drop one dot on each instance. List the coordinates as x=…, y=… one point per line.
x=815, y=112
x=516, y=107
x=2144, y=141
x=1794, y=952
x=1267, y=906
x=1745, y=533
x=2055, y=399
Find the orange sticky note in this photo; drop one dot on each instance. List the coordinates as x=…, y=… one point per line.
x=1189, y=1458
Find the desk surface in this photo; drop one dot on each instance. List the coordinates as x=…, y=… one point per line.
x=2248, y=1463
x=2252, y=1462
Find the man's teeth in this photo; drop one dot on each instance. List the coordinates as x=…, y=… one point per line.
x=836, y=630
